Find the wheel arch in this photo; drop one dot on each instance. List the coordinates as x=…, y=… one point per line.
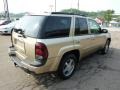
x=109, y=39
x=59, y=59
x=76, y=52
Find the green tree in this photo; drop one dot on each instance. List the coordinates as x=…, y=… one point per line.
x=75, y=11
x=108, y=15
x=105, y=15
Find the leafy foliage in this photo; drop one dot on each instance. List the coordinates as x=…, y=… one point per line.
x=75, y=11
x=105, y=15
x=108, y=15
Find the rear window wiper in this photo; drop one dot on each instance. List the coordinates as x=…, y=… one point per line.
x=17, y=30
x=20, y=31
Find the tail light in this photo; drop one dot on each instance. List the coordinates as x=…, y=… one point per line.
x=41, y=51
x=41, y=54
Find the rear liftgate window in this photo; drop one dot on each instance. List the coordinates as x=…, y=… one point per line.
x=30, y=25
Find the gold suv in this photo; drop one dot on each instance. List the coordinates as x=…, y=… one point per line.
x=56, y=42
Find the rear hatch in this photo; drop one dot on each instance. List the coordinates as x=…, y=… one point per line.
x=24, y=37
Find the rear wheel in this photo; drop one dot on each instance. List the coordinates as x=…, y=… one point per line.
x=106, y=47
x=67, y=66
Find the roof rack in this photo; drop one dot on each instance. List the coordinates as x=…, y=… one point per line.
x=67, y=13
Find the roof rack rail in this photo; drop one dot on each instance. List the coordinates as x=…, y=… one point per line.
x=67, y=13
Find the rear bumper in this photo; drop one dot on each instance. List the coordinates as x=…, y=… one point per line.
x=26, y=66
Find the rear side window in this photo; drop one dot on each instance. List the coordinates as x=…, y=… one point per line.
x=55, y=27
x=81, y=26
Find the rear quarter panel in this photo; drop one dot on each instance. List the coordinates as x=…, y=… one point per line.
x=56, y=47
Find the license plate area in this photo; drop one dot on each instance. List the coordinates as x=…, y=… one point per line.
x=20, y=45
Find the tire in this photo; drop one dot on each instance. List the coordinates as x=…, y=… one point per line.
x=106, y=47
x=67, y=66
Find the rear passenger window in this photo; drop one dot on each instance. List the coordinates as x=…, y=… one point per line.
x=56, y=27
x=81, y=26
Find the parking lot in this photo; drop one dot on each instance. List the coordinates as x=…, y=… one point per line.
x=96, y=72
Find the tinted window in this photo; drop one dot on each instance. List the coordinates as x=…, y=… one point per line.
x=30, y=25
x=56, y=27
x=81, y=26
x=94, y=27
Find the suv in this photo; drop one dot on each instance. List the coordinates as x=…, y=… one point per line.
x=56, y=42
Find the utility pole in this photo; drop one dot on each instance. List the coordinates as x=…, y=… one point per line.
x=51, y=8
x=78, y=4
x=6, y=9
x=55, y=5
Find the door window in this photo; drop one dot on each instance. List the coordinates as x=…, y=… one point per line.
x=94, y=27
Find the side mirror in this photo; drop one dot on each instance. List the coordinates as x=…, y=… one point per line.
x=104, y=31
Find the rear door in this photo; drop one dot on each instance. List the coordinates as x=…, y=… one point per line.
x=82, y=38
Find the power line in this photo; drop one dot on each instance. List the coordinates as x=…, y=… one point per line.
x=78, y=4
x=55, y=5
x=6, y=9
